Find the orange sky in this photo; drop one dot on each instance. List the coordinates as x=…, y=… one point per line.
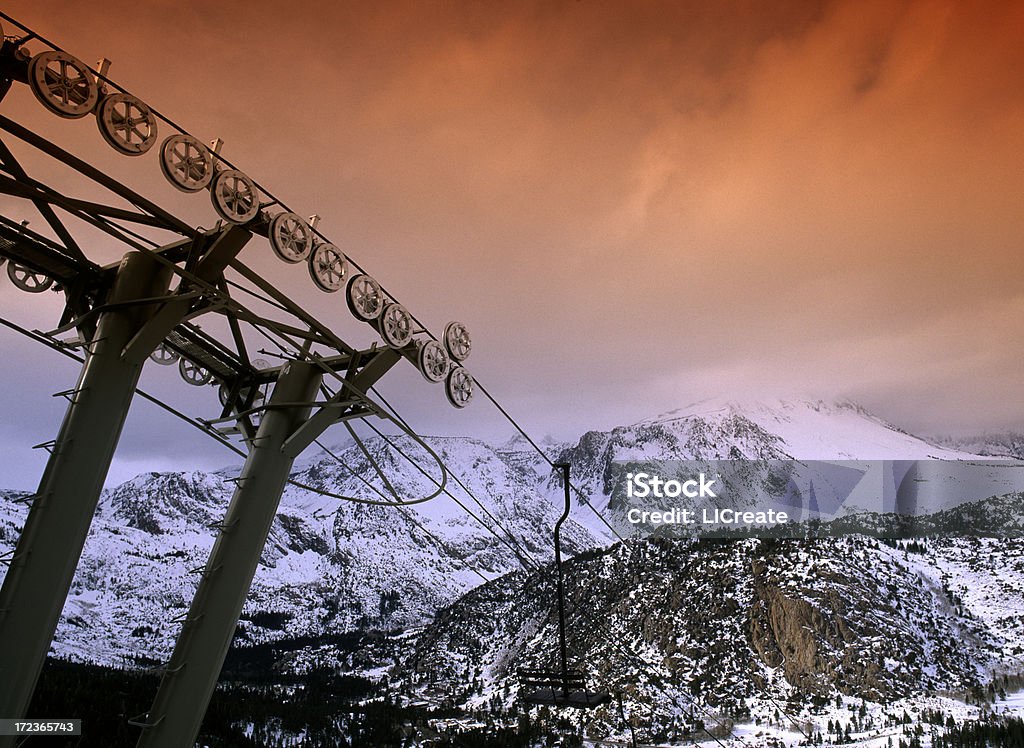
x=633, y=205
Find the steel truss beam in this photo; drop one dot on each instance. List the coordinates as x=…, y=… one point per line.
x=172, y=312
x=171, y=222
x=12, y=165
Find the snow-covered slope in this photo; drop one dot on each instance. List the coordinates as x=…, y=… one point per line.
x=810, y=429
x=1008, y=444
x=727, y=430
x=328, y=565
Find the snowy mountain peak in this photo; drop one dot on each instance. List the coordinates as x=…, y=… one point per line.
x=163, y=502
x=519, y=443
x=808, y=429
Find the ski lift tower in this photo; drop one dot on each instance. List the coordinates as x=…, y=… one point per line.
x=147, y=307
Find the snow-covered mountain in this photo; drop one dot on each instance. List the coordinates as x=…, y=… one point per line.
x=728, y=430
x=1007, y=444
x=699, y=634
x=329, y=566
x=332, y=566
x=802, y=429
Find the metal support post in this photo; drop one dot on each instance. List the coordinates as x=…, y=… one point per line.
x=50, y=545
x=192, y=672
x=563, y=657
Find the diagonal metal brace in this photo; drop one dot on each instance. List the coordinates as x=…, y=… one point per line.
x=70, y=395
x=225, y=248
x=204, y=570
x=222, y=526
x=329, y=413
x=185, y=618
x=52, y=446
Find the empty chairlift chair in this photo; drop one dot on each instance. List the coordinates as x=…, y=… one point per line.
x=562, y=687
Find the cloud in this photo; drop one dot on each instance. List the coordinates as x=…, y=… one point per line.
x=629, y=203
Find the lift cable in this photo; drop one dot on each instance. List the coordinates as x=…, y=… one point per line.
x=195, y=423
x=412, y=434
x=206, y=430
x=516, y=551
x=199, y=425
x=789, y=716
x=279, y=202
x=395, y=414
x=101, y=76
x=56, y=346
x=273, y=200
x=632, y=655
x=256, y=295
x=584, y=500
x=408, y=515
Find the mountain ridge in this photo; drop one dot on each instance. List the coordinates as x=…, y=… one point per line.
x=330, y=566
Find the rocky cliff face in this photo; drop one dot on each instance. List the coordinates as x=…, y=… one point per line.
x=864, y=625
